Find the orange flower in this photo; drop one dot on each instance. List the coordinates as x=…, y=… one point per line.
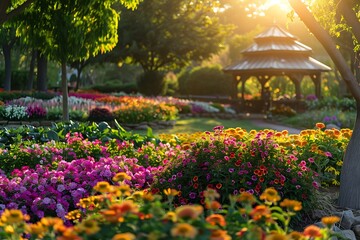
x=270, y=195
x=261, y=212
x=124, y=236
x=292, y=205
x=184, y=230
x=312, y=231
x=329, y=221
x=320, y=125
x=116, y=211
x=219, y=185
x=246, y=198
x=189, y=211
x=219, y=234
x=213, y=205
x=277, y=236
x=216, y=219
x=211, y=194
x=295, y=235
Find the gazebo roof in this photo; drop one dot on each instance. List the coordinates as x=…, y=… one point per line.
x=277, y=52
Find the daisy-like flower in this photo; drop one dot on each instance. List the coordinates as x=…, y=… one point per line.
x=312, y=231
x=291, y=205
x=189, y=211
x=330, y=221
x=124, y=236
x=102, y=187
x=121, y=176
x=320, y=125
x=270, y=195
x=216, y=219
x=184, y=230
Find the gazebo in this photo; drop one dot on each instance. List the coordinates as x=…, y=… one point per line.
x=276, y=52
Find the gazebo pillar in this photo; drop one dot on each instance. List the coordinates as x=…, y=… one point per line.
x=296, y=79
x=235, y=83
x=316, y=78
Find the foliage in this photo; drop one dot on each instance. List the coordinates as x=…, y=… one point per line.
x=208, y=81
x=283, y=110
x=341, y=104
x=115, y=86
x=155, y=39
x=100, y=115
x=118, y=212
x=151, y=83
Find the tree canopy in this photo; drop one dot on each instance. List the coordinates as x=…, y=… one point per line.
x=166, y=34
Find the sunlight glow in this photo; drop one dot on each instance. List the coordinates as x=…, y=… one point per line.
x=260, y=10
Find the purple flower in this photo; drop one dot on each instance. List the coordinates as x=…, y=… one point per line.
x=192, y=195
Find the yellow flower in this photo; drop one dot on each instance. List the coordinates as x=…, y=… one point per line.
x=270, y=195
x=12, y=216
x=171, y=192
x=189, y=211
x=73, y=215
x=88, y=226
x=102, y=187
x=291, y=205
x=9, y=229
x=216, y=219
x=36, y=229
x=330, y=221
x=124, y=189
x=184, y=230
x=121, y=176
x=170, y=216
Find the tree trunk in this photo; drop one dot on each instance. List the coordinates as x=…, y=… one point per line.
x=30, y=82
x=7, y=58
x=65, y=94
x=349, y=196
x=42, y=73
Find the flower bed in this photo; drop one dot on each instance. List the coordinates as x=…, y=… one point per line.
x=118, y=212
x=48, y=178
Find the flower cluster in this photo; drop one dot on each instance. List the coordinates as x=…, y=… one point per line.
x=15, y=112
x=233, y=162
x=41, y=191
x=36, y=112
x=118, y=212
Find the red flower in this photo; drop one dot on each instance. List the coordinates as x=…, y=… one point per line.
x=219, y=185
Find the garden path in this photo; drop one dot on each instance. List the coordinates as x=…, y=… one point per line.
x=261, y=121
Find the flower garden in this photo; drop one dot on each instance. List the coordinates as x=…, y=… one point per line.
x=93, y=181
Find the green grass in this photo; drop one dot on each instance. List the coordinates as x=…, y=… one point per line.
x=191, y=125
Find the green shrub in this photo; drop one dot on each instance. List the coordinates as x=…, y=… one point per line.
x=116, y=86
x=208, y=81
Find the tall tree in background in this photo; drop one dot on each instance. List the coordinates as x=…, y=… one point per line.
x=69, y=30
x=350, y=174
x=7, y=41
x=168, y=34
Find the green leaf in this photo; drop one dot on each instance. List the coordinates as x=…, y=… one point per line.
x=52, y=135
x=103, y=126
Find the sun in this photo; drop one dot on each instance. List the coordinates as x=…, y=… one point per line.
x=282, y=4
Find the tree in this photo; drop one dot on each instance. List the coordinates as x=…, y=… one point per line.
x=350, y=174
x=12, y=8
x=7, y=41
x=69, y=30
x=168, y=34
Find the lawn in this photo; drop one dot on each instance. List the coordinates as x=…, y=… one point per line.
x=191, y=125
